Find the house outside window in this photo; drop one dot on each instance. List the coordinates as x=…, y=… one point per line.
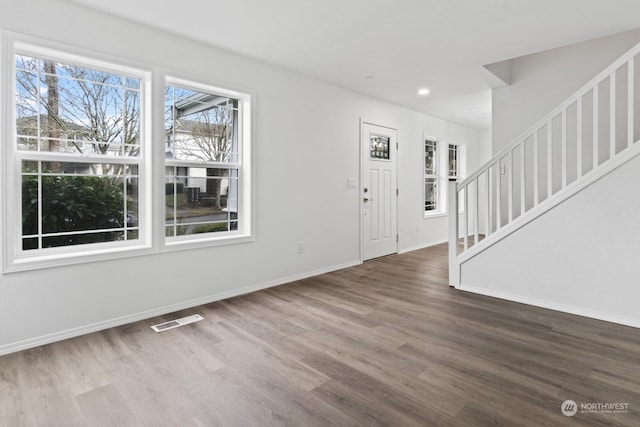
x=204, y=165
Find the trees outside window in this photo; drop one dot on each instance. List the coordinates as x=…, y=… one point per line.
x=78, y=136
x=79, y=179
x=202, y=161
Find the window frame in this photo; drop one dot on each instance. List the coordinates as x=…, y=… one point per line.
x=15, y=258
x=441, y=174
x=433, y=176
x=245, y=215
x=151, y=161
x=455, y=148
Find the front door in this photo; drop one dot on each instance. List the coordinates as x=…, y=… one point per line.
x=379, y=191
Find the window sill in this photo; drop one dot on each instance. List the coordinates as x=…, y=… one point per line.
x=435, y=215
x=190, y=243
x=107, y=254
x=65, y=259
x=438, y=214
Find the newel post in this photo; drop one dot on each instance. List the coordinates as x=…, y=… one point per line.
x=452, y=204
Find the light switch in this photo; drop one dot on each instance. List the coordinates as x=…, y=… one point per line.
x=352, y=183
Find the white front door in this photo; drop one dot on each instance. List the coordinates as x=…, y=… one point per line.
x=379, y=191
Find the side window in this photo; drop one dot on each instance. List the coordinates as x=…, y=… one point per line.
x=452, y=161
x=430, y=176
x=204, y=166
x=442, y=162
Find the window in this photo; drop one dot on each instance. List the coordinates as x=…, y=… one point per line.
x=379, y=147
x=442, y=162
x=430, y=176
x=204, y=162
x=453, y=161
x=78, y=167
x=77, y=155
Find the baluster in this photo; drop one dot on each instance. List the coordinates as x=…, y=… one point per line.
x=630, y=97
x=595, y=125
x=465, y=215
x=612, y=115
x=564, y=148
x=477, y=211
x=510, y=185
x=579, y=138
x=498, y=196
x=549, y=159
x=536, y=169
x=489, y=193
x=522, y=178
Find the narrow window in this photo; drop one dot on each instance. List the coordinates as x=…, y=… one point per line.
x=204, y=163
x=430, y=176
x=453, y=163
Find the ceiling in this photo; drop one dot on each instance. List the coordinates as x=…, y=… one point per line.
x=388, y=49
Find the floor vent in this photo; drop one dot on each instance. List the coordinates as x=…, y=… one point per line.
x=175, y=323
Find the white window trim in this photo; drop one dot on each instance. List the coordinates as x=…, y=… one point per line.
x=15, y=259
x=442, y=173
x=151, y=166
x=245, y=211
x=440, y=166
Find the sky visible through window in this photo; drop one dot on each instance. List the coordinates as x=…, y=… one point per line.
x=62, y=107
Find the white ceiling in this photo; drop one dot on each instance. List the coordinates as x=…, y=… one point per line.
x=402, y=44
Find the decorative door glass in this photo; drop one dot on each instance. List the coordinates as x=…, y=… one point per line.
x=379, y=147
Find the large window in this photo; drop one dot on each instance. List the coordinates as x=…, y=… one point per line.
x=442, y=162
x=77, y=152
x=78, y=170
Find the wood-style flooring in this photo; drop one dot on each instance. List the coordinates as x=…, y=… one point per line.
x=385, y=343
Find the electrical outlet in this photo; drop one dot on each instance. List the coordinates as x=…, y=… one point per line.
x=300, y=247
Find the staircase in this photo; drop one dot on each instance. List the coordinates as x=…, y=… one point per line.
x=586, y=137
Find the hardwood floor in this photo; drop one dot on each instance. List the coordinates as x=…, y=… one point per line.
x=385, y=343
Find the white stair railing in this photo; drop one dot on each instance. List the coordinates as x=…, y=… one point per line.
x=585, y=135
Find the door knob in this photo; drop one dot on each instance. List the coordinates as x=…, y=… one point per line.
x=365, y=199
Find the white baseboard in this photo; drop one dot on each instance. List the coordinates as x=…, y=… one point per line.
x=98, y=326
x=578, y=311
x=421, y=246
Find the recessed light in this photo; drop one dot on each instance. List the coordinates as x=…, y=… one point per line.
x=423, y=91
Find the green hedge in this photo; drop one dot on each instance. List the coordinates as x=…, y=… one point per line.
x=210, y=228
x=72, y=203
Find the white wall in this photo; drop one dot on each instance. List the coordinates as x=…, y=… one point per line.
x=541, y=81
x=306, y=146
x=580, y=257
